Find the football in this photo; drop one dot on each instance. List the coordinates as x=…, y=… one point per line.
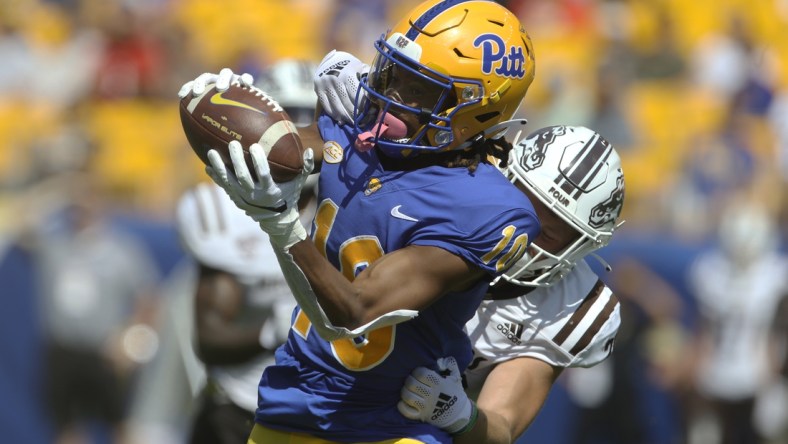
x=214, y=118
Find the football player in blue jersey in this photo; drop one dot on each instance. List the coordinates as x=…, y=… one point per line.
x=413, y=223
x=548, y=312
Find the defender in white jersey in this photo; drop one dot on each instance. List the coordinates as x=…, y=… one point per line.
x=242, y=309
x=230, y=248
x=548, y=312
x=572, y=323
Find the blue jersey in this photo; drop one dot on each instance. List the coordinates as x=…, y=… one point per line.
x=347, y=390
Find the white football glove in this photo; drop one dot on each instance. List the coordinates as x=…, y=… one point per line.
x=438, y=398
x=273, y=205
x=222, y=81
x=336, y=83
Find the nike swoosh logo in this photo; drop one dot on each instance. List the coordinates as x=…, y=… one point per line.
x=218, y=99
x=396, y=213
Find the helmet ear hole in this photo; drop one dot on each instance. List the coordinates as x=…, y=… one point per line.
x=459, y=53
x=481, y=118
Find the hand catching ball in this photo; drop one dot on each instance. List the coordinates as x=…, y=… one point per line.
x=214, y=118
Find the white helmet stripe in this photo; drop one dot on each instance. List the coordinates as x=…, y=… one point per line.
x=585, y=166
x=606, y=150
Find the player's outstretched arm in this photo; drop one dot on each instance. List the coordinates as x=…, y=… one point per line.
x=337, y=307
x=511, y=397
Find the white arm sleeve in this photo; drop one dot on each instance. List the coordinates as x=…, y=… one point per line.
x=307, y=301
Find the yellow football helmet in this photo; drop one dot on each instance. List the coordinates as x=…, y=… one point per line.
x=454, y=67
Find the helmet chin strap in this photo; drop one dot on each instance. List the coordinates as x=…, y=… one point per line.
x=602, y=262
x=599, y=259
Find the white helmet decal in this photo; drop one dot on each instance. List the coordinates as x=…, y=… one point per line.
x=609, y=210
x=533, y=154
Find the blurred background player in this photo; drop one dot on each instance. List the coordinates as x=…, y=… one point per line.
x=771, y=407
x=738, y=286
x=550, y=311
x=405, y=224
x=98, y=301
x=242, y=304
x=94, y=289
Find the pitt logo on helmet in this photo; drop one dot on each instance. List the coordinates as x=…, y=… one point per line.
x=507, y=64
x=473, y=57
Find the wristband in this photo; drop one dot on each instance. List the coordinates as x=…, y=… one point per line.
x=471, y=421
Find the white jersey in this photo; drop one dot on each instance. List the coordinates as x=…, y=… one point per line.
x=572, y=323
x=219, y=235
x=738, y=304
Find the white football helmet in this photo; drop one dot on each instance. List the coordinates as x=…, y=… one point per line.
x=289, y=81
x=747, y=231
x=577, y=174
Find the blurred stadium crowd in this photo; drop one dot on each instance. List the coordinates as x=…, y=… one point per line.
x=694, y=95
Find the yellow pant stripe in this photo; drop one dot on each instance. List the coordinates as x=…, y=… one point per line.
x=264, y=435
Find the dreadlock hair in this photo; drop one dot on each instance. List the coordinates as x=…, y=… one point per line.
x=482, y=150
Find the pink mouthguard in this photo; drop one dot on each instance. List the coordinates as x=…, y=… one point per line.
x=389, y=126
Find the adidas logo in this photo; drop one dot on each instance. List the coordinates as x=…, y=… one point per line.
x=444, y=403
x=512, y=331
x=334, y=69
